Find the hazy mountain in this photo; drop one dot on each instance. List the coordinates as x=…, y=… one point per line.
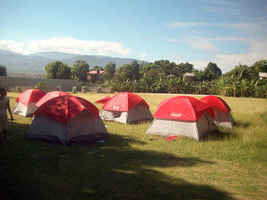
x=35, y=63
x=55, y=55
x=15, y=62
x=100, y=60
x=7, y=53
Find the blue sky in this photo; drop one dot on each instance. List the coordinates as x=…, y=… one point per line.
x=225, y=32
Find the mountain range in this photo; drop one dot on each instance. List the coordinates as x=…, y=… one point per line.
x=35, y=63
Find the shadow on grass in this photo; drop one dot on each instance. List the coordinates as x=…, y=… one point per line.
x=113, y=170
x=241, y=124
x=118, y=140
x=16, y=130
x=221, y=134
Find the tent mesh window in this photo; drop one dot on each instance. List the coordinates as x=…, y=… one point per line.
x=116, y=114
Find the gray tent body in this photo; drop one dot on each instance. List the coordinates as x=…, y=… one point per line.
x=83, y=128
x=136, y=114
x=23, y=110
x=196, y=129
x=223, y=119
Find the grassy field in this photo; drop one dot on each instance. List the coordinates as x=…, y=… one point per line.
x=131, y=165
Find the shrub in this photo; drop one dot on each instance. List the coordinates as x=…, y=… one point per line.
x=41, y=86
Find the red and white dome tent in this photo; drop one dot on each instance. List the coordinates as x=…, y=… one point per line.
x=37, y=99
x=50, y=95
x=222, y=111
x=126, y=107
x=182, y=116
x=67, y=119
x=103, y=100
x=26, y=102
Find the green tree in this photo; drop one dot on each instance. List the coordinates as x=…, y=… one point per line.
x=212, y=71
x=57, y=70
x=260, y=66
x=109, y=71
x=240, y=72
x=97, y=68
x=135, y=70
x=80, y=70
x=199, y=75
x=183, y=68
x=3, y=70
x=128, y=72
x=41, y=86
x=164, y=66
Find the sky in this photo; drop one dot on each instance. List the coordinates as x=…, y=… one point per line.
x=228, y=33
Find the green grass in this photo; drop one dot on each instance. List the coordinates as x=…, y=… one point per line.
x=131, y=165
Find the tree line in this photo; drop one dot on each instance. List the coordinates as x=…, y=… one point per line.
x=167, y=77
x=163, y=76
x=3, y=70
x=130, y=72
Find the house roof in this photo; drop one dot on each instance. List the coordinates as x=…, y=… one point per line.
x=96, y=72
x=189, y=74
x=263, y=74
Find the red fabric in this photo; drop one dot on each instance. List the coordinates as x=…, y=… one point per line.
x=184, y=108
x=172, y=138
x=30, y=96
x=216, y=102
x=50, y=95
x=103, y=100
x=63, y=108
x=123, y=102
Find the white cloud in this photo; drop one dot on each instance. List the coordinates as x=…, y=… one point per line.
x=143, y=56
x=207, y=43
x=256, y=29
x=12, y=45
x=204, y=44
x=251, y=33
x=225, y=38
x=220, y=9
x=257, y=51
x=193, y=24
x=188, y=24
x=251, y=30
x=198, y=43
x=67, y=45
